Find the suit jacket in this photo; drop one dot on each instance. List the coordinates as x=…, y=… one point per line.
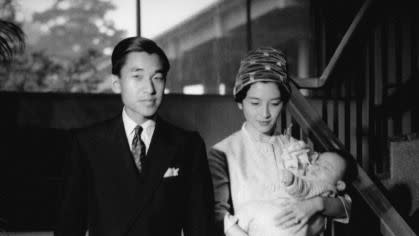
x=105, y=194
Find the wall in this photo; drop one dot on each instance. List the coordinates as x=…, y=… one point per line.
x=403, y=184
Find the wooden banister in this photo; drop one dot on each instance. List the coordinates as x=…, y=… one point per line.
x=311, y=122
x=317, y=82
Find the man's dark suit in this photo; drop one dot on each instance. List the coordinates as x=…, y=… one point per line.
x=106, y=194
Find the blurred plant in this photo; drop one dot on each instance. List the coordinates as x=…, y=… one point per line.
x=12, y=40
x=69, y=28
x=36, y=72
x=67, y=48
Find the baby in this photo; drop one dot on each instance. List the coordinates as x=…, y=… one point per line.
x=322, y=177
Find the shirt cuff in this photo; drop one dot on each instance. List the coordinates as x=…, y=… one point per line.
x=229, y=221
x=347, y=203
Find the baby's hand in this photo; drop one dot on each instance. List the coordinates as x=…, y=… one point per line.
x=340, y=185
x=286, y=177
x=296, y=154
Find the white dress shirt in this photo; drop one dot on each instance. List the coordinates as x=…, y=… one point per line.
x=146, y=135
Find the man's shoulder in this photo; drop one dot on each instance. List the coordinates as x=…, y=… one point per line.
x=175, y=130
x=99, y=127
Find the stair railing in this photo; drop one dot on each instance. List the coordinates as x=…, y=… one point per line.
x=312, y=123
x=317, y=82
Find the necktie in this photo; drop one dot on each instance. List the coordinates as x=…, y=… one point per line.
x=138, y=149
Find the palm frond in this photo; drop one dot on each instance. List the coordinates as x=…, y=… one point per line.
x=12, y=40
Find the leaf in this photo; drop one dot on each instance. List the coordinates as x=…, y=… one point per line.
x=12, y=40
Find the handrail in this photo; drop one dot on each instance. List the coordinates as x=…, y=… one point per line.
x=318, y=82
x=310, y=120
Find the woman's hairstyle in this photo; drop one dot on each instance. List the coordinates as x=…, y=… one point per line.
x=264, y=64
x=136, y=44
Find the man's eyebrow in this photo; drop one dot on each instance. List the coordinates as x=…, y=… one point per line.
x=135, y=69
x=159, y=71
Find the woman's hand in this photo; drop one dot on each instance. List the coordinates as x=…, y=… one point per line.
x=298, y=212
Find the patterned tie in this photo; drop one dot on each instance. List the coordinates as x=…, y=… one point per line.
x=138, y=148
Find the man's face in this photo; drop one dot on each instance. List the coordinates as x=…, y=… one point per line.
x=141, y=84
x=262, y=106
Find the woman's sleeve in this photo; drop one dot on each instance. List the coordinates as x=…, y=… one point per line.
x=221, y=182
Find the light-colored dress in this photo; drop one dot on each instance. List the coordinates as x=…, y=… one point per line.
x=245, y=168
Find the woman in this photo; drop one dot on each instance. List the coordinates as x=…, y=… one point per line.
x=245, y=166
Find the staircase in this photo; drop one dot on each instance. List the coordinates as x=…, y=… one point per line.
x=367, y=93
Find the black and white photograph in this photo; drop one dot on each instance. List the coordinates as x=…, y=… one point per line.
x=209, y=118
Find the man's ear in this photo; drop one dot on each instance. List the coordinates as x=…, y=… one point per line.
x=340, y=185
x=240, y=105
x=116, y=84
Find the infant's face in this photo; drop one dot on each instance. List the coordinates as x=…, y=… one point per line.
x=325, y=169
x=318, y=172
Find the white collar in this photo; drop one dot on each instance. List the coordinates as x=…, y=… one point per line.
x=259, y=137
x=130, y=125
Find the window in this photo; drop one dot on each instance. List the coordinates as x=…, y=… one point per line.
x=205, y=40
x=204, y=44
x=69, y=42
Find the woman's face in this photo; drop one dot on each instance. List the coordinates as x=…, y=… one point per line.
x=262, y=106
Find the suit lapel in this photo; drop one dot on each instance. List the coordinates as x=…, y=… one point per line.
x=120, y=145
x=160, y=155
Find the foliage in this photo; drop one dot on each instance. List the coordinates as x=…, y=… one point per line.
x=12, y=40
x=66, y=49
x=35, y=72
x=72, y=27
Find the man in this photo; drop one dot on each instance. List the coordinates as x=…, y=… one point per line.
x=136, y=174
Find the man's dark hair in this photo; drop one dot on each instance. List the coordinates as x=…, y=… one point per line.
x=136, y=44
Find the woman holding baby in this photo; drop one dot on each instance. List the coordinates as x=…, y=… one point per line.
x=267, y=183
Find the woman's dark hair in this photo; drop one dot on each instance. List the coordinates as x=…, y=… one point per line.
x=136, y=44
x=284, y=93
